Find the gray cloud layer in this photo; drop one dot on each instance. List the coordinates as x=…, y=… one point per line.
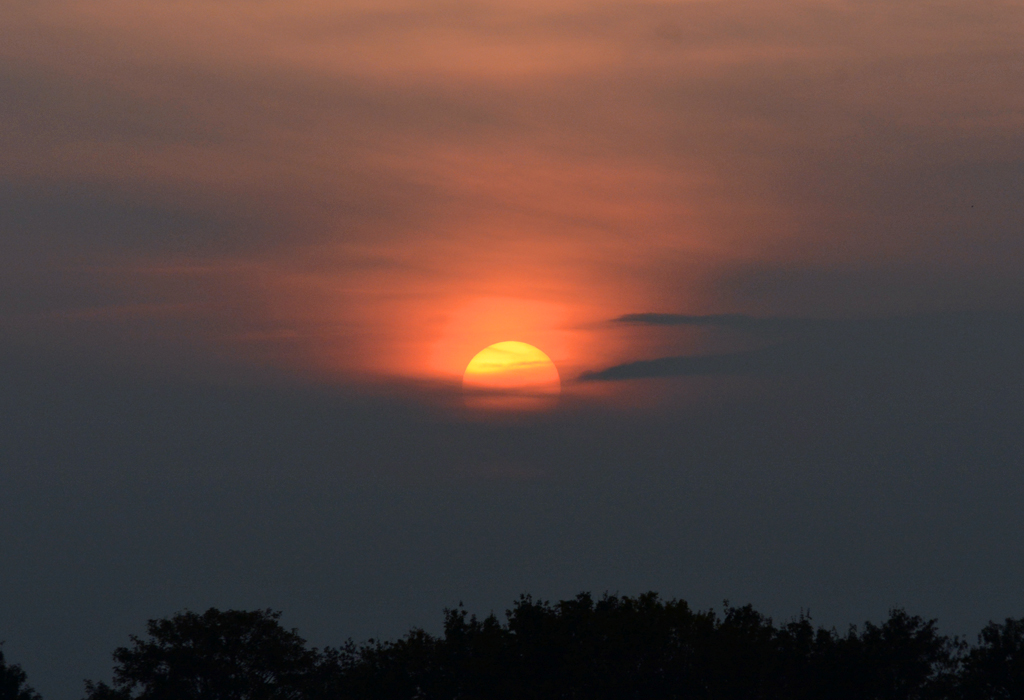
x=992, y=342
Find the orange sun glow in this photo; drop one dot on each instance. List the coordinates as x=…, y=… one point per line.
x=511, y=375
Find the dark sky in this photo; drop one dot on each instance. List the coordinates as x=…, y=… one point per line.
x=775, y=251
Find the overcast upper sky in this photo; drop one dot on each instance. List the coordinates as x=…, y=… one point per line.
x=776, y=251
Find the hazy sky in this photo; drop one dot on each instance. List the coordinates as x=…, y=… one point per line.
x=247, y=248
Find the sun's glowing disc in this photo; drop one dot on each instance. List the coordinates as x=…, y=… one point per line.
x=511, y=375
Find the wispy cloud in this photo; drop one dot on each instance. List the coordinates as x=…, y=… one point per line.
x=836, y=345
x=742, y=322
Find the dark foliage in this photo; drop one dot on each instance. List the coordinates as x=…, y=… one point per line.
x=645, y=648
x=995, y=668
x=231, y=655
x=12, y=682
x=620, y=648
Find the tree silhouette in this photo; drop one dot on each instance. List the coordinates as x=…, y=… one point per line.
x=644, y=648
x=230, y=655
x=995, y=668
x=612, y=648
x=12, y=682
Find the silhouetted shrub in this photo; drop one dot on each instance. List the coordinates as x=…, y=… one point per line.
x=995, y=668
x=230, y=655
x=12, y=682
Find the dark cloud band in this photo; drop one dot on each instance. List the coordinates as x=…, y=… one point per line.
x=964, y=340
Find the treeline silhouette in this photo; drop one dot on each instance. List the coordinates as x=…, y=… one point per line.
x=619, y=648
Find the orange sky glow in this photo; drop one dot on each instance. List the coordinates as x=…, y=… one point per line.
x=378, y=190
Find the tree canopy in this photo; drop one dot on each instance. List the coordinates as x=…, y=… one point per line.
x=614, y=647
x=12, y=681
x=230, y=655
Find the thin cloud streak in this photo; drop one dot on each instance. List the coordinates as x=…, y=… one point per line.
x=967, y=341
x=742, y=322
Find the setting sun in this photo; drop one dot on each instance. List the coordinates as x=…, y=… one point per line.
x=503, y=374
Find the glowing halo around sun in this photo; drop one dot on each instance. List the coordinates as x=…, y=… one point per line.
x=511, y=376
